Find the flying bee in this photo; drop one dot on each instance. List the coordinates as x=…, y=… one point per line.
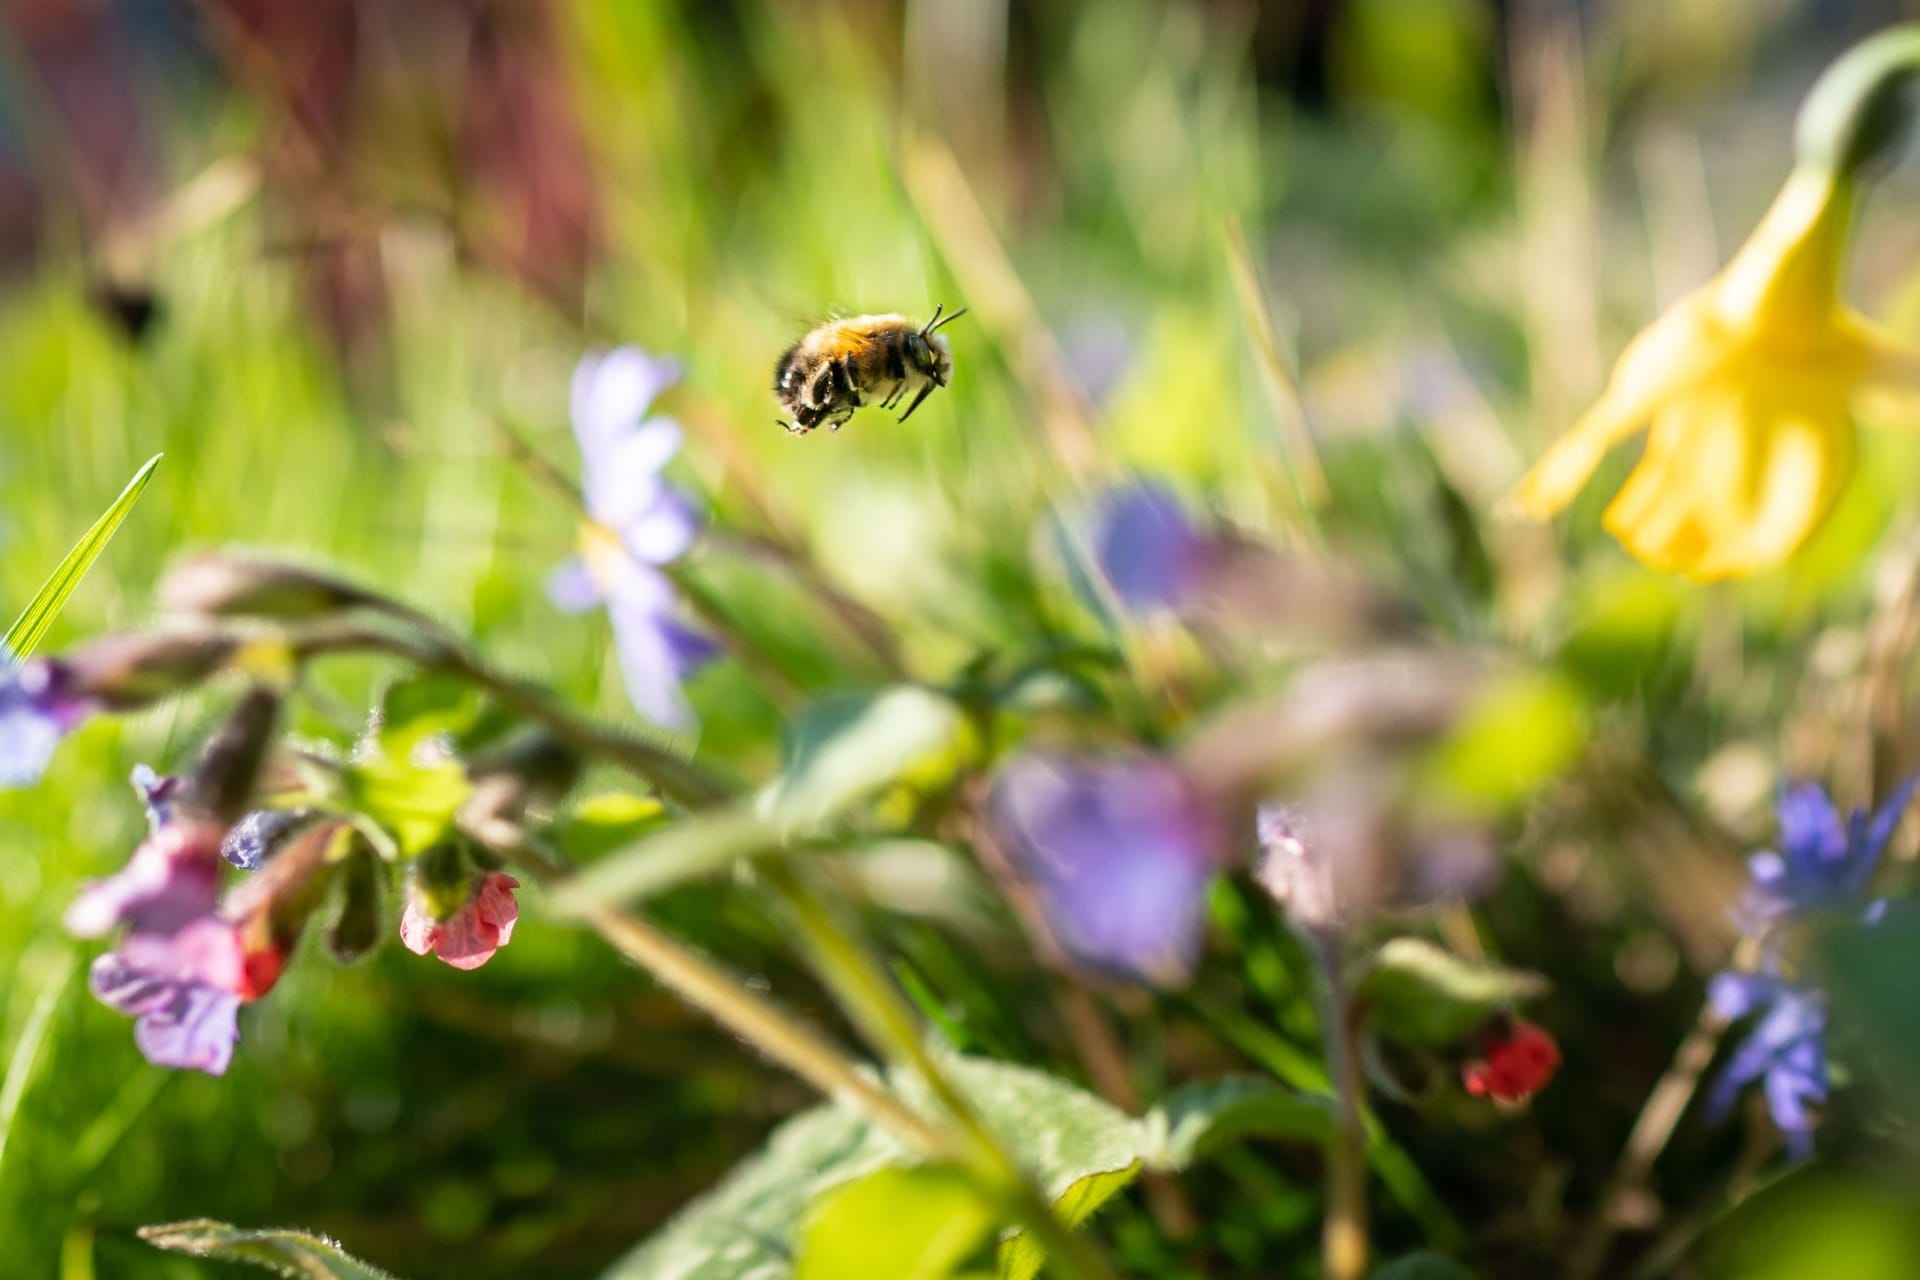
x=845, y=364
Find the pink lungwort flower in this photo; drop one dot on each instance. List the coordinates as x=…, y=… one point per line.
x=468, y=938
x=181, y=971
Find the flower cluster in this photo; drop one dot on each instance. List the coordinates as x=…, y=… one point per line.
x=637, y=524
x=1823, y=868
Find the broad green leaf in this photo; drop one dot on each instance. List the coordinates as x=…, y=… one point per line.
x=1196, y=1120
x=1415, y=991
x=914, y=1224
x=31, y=626
x=416, y=803
x=1422, y=1266
x=845, y=750
x=1079, y=1149
x=295, y=1254
x=1021, y=1258
x=743, y=1229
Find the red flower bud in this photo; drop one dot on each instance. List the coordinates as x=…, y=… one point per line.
x=1516, y=1061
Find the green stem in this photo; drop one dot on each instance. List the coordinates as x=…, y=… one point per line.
x=1853, y=112
x=1343, y=1237
x=438, y=649
x=890, y=1025
x=728, y=1001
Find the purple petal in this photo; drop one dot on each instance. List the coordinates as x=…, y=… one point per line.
x=662, y=533
x=172, y=879
x=157, y=793
x=1873, y=841
x=1121, y=856
x=1147, y=549
x=181, y=989
x=572, y=588
x=619, y=481
x=27, y=740
x=611, y=393
x=1812, y=837
x=657, y=654
x=1734, y=995
x=197, y=1033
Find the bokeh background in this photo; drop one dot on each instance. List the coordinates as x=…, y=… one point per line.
x=320, y=253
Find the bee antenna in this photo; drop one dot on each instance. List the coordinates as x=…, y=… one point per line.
x=937, y=323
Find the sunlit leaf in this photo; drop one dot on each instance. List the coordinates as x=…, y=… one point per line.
x=846, y=750
x=295, y=1254
x=912, y=1223
x=31, y=626
x=415, y=803
x=1415, y=991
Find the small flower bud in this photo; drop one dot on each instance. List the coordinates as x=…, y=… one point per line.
x=216, y=584
x=356, y=925
x=1516, y=1061
x=129, y=672
x=221, y=786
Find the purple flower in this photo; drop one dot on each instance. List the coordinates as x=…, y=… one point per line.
x=1823, y=864
x=38, y=707
x=183, y=990
x=1121, y=854
x=1786, y=1050
x=1147, y=549
x=637, y=523
x=181, y=971
x=172, y=879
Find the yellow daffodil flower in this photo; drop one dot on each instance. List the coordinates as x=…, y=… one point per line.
x=1746, y=387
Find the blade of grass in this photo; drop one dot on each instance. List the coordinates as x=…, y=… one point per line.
x=31, y=627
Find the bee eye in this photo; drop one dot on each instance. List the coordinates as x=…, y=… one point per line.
x=920, y=349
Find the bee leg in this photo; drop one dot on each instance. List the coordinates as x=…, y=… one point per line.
x=792, y=428
x=845, y=373
x=925, y=391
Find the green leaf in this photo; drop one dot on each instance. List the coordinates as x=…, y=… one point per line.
x=744, y=1227
x=418, y=707
x=914, y=1224
x=845, y=750
x=1079, y=1149
x=1423, y=1266
x=296, y=1254
x=1021, y=1257
x=31, y=626
x=416, y=803
x=1196, y=1120
x=1417, y=992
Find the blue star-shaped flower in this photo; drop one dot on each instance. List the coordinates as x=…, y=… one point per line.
x=1823, y=864
x=636, y=524
x=1786, y=1051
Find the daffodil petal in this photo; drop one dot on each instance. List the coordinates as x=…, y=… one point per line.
x=1666, y=359
x=1736, y=476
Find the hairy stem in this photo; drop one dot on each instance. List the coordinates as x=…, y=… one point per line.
x=883, y=1015
x=1343, y=1236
